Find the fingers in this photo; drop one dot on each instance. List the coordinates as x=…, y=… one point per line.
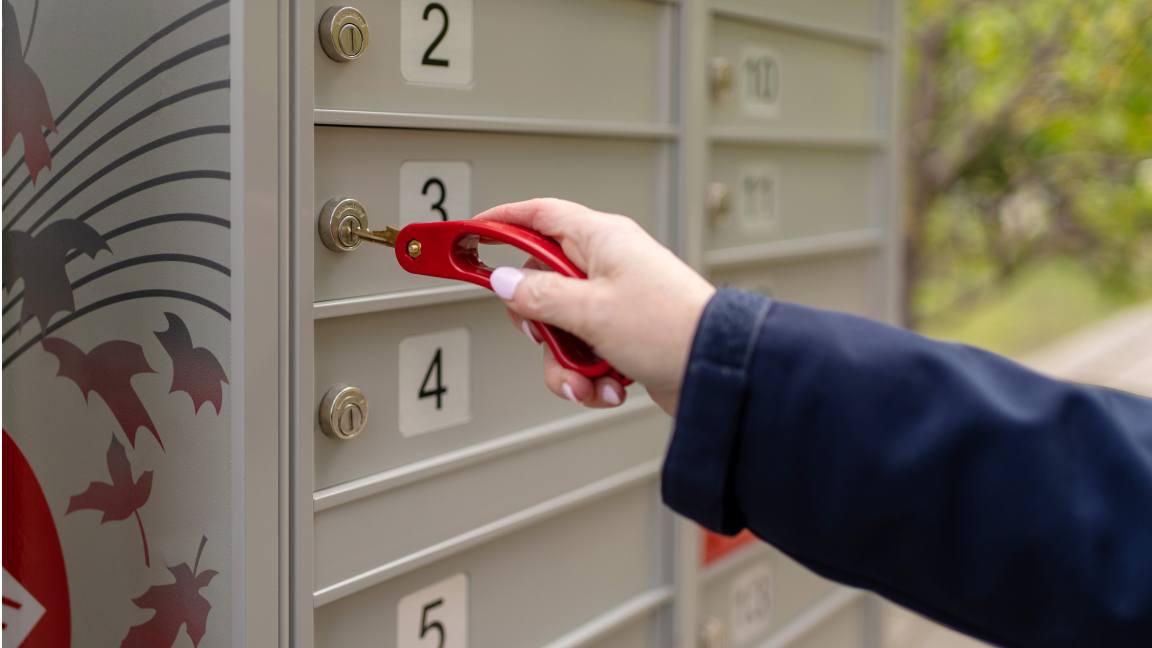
x=550, y=216
x=572, y=386
x=546, y=297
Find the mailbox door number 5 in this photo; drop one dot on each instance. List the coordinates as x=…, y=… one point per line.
x=436, y=41
x=435, y=617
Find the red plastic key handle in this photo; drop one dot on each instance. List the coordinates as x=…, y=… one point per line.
x=450, y=250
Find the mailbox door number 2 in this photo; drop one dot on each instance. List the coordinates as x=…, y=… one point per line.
x=434, y=381
x=436, y=41
x=434, y=617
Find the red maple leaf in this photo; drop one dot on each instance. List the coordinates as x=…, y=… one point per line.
x=26, y=110
x=176, y=604
x=123, y=497
x=194, y=369
x=108, y=370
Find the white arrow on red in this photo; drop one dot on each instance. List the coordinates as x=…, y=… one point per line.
x=21, y=611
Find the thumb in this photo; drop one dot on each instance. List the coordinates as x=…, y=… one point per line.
x=547, y=297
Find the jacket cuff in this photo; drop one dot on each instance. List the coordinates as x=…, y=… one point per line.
x=700, y=454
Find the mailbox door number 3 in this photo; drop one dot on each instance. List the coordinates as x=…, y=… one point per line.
x=434, y=381
x=432, y=191
x=435, y=617
x=436, y=41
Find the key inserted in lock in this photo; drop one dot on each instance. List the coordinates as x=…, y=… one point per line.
x=450, y=250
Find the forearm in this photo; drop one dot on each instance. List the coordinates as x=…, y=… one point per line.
x=963, y=485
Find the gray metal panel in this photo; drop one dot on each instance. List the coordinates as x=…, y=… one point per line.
x=857, y=15
x=349, y=536
x=825, y=86
x=818, y=191
x=844, y=628
x=507, y=393
x=546, y=58
x=845, y=283
x=640, y=633
x=258, y=379
x=526, y=588
x=614, y=175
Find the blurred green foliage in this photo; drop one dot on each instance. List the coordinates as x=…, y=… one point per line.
x=1029, y=139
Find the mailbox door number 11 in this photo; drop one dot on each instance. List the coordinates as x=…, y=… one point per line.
x=434, y=617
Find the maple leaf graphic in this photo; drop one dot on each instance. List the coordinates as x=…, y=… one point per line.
x=26, y=110
x=108, y=370
x=40, y=261
x=176, y=604
x=123, y=497
x=194, y=369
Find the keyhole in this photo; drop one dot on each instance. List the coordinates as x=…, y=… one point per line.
x=351, y=40
x=348, y=223
x=350, y=419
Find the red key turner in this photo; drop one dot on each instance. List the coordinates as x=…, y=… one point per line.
x=450, y=250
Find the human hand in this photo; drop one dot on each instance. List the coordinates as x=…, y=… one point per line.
x=638, y=309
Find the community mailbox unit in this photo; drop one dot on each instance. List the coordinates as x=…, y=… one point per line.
x=226, y=424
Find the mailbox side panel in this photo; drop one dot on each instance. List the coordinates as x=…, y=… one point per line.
x=118, y=491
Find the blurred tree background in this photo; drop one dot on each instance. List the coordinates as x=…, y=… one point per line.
x=1029, y=167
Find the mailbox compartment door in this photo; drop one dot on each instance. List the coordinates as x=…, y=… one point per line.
x=776, y=193
x=402, y=176
x=786, y=83
x=502, y=58
x=522, y=589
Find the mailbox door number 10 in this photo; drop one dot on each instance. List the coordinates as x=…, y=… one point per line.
x=434, y=617
x=436, y=41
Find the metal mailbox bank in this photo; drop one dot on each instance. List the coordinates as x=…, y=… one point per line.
x=227, y=424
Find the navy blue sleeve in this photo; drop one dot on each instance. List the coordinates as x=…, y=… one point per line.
x=1008, y=505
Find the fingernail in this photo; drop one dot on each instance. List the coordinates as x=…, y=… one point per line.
x=609, y=395
x=504, y=281
x=568, y=393
x=527, y=328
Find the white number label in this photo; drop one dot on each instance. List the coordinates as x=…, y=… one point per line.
x=434, y=617
x=434, y=382
x=758, y=198
x=750, y=604
x=760, y=81
x=436, y=41
x=431, y=191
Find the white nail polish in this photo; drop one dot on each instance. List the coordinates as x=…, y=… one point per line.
x=568, y=393
x=504, y=281
x=609, y=395
x=527, y=328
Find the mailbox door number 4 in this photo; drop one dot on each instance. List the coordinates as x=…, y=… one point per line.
x=435, y=617
x=436, y=42
x=434, y=381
